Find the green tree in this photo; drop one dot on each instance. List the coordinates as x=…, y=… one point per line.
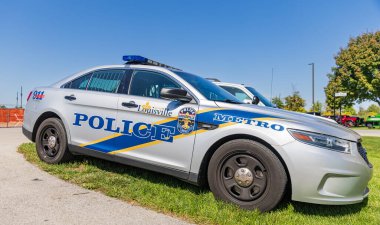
x=278, y=102
x=357, y=68
x=295, y=102
x=373, y=108
x=349, y=110
x=327, y=111
x=317, y=107
x=2, y=107
x=335, y=86
x=362, y=112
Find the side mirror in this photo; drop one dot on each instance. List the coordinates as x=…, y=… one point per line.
x=255, y=100
x=175, y=94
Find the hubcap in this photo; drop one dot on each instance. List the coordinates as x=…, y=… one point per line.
x=243, y=177
x=51, y=141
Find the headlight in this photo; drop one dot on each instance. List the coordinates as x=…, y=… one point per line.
x=321, y=140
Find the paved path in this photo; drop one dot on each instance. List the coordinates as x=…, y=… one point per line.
x=373, y=132
x=31, y=196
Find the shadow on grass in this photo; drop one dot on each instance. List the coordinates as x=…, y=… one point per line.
x=159, y=178
x=329, y=210
x=320, y=210
x=147, y=175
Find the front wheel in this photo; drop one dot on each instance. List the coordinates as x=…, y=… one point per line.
x=248, y=174
x=51, y=142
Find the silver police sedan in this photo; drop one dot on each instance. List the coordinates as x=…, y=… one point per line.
x=150, y=115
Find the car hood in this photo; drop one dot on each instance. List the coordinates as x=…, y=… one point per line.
x=300, y=121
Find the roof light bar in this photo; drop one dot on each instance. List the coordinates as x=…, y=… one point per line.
x=136, y=59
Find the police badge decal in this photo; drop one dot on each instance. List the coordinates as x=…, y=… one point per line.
x=186, y=120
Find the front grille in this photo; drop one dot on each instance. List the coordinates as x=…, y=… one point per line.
x=363, y=154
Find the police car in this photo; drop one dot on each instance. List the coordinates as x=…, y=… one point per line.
x=249, y=95
x=153, y=116
x=244, y=93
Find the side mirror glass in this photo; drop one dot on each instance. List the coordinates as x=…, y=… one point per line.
x=255, y=100
x=175, y=94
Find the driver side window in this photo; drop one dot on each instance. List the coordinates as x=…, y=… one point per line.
x=149, y=84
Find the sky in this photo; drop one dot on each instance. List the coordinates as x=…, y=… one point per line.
x=43, y=41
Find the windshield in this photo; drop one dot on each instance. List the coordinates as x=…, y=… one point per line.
x=265, y=101
x=208, y=89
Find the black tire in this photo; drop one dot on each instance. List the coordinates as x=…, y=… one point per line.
x=349, y=123
x=266, y=170
x=52, y=127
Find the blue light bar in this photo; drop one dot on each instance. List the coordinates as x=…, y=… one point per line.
x=136, y=59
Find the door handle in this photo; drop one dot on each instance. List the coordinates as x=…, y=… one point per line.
x=130, y=104
x=70, y=97
x=207, y=126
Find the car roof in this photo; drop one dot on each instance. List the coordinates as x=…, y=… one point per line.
x=169, y=71
x=116, y=66
x=229, y=84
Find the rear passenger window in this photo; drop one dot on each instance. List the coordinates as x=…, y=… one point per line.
x=106, y=80
x=79, y=83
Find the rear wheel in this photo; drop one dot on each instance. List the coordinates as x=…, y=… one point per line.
x=248, y=174
x=51, y=142
x=349, y=123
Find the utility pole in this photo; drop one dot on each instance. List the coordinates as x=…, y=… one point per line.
x=312, y=84
x=17, y=100
x=21, y=96
x=271, y=87
x=334, y=104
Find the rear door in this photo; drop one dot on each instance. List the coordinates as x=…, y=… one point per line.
x=155, y=130
x=90, y=106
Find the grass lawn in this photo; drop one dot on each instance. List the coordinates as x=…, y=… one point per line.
x=171, y=196
x=364, y=128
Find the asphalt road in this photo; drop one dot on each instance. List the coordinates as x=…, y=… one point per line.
x=373, y=132
x=31, y=196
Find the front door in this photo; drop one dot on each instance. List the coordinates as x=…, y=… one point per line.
x=155, y=130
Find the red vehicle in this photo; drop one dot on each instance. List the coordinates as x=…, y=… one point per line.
x=350, y=121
